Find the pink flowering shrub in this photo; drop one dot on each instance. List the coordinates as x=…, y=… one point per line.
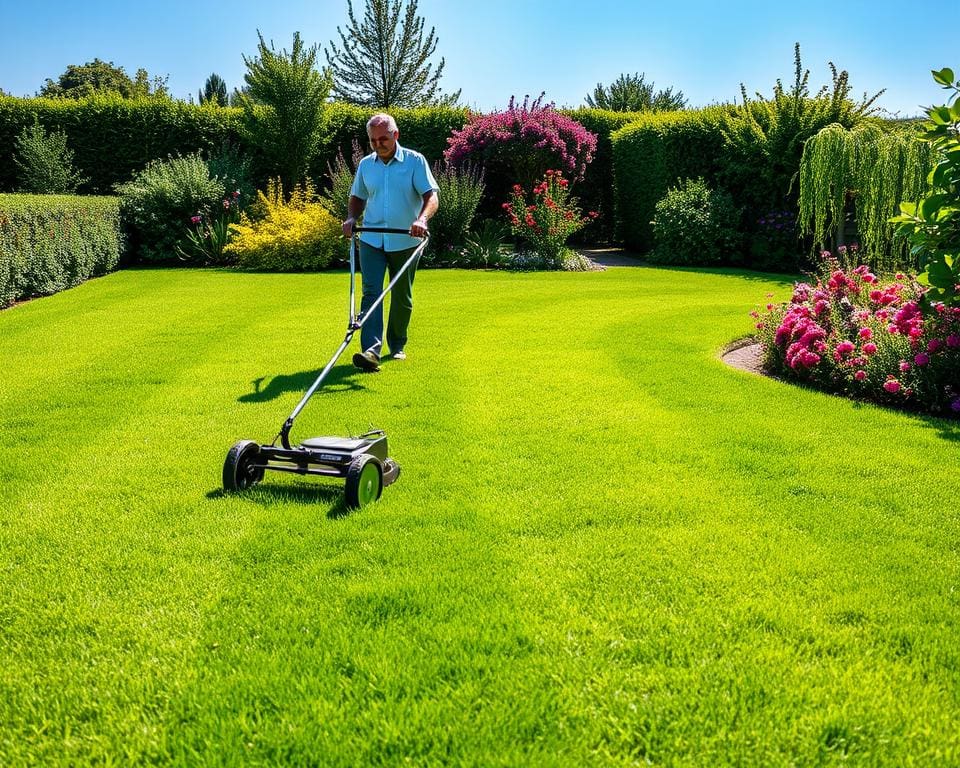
x=549, y=219
x=852, y=334
x=520, y=144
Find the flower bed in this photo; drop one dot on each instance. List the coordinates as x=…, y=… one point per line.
x=853, y=334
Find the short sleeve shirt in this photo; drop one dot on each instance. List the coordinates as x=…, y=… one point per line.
x=393, y=193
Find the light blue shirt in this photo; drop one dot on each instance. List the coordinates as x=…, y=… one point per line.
x=394, y=195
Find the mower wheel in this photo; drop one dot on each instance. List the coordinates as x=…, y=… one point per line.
x=240, y=470
x=364, y=481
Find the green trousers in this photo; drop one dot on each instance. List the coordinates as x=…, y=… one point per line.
x=374, y=265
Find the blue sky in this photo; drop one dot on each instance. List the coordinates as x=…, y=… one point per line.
x=498, y=48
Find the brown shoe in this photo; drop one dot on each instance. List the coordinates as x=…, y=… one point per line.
x=368, y=361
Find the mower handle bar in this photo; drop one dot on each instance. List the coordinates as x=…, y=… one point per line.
x=383, y=230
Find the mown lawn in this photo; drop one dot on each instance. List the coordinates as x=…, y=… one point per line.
x=606, y=547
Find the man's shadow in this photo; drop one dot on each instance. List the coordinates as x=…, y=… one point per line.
x=341, y=378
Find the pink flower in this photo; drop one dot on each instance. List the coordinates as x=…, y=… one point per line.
x=891, y=385
x=904, y=366
x=196, y=219
x=869, y=348
x=953, y=341
x=933, y=345
x=845, y=347
x=866, y=333
x=921, y=359
x=860, y=375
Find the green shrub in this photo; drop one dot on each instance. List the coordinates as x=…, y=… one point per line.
x=654, y=152
x=158, y=204
x=695, y=225
x=460, y=192
x=51, y=242
x=44, y=162
x=281, y=235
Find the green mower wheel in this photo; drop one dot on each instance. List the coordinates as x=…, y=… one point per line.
x=364, y=481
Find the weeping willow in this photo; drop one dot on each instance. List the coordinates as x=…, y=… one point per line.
x=872, y=169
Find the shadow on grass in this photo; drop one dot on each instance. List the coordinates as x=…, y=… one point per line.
x=341, y=378
x=270, y=494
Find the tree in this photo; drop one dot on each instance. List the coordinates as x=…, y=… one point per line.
x=383, y=62
x=282, y=106
x=44, y=162
x=630, y=93
x=79, y=81
x=215, y=90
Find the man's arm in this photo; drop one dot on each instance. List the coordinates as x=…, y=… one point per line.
x=431, y=201
x=354, y=211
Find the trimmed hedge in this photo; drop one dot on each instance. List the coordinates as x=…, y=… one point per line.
x=596, y=191
x=652, y=154
x=111, y=137
x=52, y=242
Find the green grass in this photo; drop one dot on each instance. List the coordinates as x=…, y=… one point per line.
x=606, y=547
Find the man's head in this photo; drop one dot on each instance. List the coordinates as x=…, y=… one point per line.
x=383, y=134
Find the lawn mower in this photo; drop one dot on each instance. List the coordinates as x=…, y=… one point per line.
x=363, y=461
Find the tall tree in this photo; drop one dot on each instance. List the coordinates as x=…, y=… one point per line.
x=631, y=93
x=383, y=62
x=282, y=106
x=215, y=90
x=98, y=76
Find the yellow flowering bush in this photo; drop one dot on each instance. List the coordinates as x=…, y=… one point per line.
x=285, y=235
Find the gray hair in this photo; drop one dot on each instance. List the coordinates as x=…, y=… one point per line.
x=382, y=118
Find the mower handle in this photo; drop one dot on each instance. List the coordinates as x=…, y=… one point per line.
x=383, y=230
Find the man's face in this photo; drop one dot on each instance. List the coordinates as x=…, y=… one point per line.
x=383, y=141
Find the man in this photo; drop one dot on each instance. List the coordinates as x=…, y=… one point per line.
x=393, y=187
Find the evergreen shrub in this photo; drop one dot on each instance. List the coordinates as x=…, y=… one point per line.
x=52, y=242
x=160, y=202
x=695, y=225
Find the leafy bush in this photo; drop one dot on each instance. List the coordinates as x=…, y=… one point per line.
x=460, y=193
x=549, y=219
x=695, y=225
x=520, y=144
x=932, y=224
x=160, y=201
x=208, y=233
x=853, y=334
x=486, y=246
x=44, y=162
x=280, y=235
x=51, y=242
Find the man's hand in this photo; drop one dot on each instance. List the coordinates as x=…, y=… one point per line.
x=348, y=227
x=419, y=227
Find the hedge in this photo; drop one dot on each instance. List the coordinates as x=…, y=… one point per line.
x=113, y=137
x=52, y=242
x=654, y=152
x=596, y=191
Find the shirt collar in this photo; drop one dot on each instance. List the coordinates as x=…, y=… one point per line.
x=399, y=155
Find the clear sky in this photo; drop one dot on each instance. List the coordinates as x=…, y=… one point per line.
x=498, y=48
